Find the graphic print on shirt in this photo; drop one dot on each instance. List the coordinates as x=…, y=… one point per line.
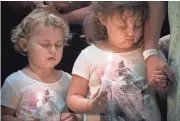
x=42, y=103
x=125, y=99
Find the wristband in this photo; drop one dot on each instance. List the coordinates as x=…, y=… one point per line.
x=149, y=52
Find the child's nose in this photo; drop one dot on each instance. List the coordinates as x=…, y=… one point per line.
x=52, y=50
x=130, y=32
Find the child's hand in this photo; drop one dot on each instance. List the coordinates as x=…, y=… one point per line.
x=98, y=102
x=68, y=117
x=163, y=84
x=162, y=81
x=160, y=78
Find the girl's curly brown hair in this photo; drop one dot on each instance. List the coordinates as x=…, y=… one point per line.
x=95, y=31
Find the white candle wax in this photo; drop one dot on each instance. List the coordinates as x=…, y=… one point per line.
x=105, y=77
x=39, y=104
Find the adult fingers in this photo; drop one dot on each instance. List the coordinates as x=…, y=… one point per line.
x=160, y=77
x=169, y=72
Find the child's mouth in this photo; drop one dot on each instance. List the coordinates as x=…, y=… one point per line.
x=51, y=58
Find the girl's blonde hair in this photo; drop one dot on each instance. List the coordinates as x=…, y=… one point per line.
x=34, y=19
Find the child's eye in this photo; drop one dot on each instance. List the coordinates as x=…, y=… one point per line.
x=122, y=26
x=45, y=45
x=59, y=45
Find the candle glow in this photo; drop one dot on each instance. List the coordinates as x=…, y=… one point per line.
x=39, y=96
x=107, y=71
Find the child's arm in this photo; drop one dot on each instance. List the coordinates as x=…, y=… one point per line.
x=76, y=97
x=7, y=114
x=9, y=100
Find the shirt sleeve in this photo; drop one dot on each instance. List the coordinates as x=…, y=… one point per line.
x=81, y=67
x=9, y=97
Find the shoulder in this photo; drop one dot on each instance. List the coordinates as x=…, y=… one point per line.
x=18, y=80
x=14, y=78
x=91, y=52
x=90, y=49
x=66, y=75
x=85, y=55
x=65, y=78
x=15, y=82
x=65, y=81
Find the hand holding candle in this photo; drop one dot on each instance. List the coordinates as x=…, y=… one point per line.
x=97, y=102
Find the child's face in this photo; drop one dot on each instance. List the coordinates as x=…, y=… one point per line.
x=45, y=46
x=123, y=33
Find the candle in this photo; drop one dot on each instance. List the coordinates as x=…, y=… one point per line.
x=39, y=96
x=39, y=105
x=105, y=77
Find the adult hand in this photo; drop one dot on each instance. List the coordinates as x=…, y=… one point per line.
x=154, y=63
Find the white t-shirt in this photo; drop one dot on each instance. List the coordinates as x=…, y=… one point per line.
x=34, y=99
x=123, y=75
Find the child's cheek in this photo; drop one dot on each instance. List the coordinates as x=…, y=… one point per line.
x=139, y=34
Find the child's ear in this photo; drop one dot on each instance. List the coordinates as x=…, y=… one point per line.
x=102, y=18
x=23, y=44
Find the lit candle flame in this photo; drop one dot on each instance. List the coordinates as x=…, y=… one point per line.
x=39, y=96
x=109, y=58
